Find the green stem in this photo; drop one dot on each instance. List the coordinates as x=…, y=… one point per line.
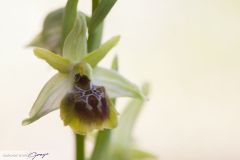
x=100, y=151
x=80, y=147
x=95, y=37
x=95, y=4
x=70, y=15
x=103, y=137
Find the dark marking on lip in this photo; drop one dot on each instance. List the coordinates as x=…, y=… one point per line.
x=88, y=100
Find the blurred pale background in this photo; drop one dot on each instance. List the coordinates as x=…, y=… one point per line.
x=188, y=49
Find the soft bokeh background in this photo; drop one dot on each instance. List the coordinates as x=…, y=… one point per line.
x=188, y=49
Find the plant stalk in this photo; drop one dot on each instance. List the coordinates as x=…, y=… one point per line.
x=103, y=137
x=101, y=148
x=95, y=4
x=95, y=37
x=70, y=14
x=80, y=145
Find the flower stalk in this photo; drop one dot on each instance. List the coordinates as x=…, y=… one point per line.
x=100, y=151
x=95, y=36
x=70, y=15
x=103, y=137
x=80, y=147
x=94, y=41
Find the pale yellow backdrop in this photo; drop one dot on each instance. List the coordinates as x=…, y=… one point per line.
x=188, y=49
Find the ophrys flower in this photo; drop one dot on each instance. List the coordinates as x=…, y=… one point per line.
x=80, y=89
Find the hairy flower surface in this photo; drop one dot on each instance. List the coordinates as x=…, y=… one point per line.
x=87, y=107
x=81, y=89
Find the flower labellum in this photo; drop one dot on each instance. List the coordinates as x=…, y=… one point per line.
x=87, y=107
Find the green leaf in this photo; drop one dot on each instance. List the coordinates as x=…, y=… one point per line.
x=96, y=56
x=115, y=84
x=100, y=13
x=75, y=45
x=122, y=135
x=137, y=154
x=101, y=147
x=50, y=97
x=58, y=62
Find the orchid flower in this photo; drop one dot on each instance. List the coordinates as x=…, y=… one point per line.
x=81, y=90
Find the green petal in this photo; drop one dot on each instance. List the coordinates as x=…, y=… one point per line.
x=50, y=97
x=58, y=62
x=75, y=45
x=96, y=56
x=100, y=13
x=115, y=84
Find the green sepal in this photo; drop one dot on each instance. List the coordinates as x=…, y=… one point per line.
x=75, y=45
x=58, y=62
x=37, y=41
x=97, y=55
x=50, y=97
x=115, y=84
x=51, y=33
